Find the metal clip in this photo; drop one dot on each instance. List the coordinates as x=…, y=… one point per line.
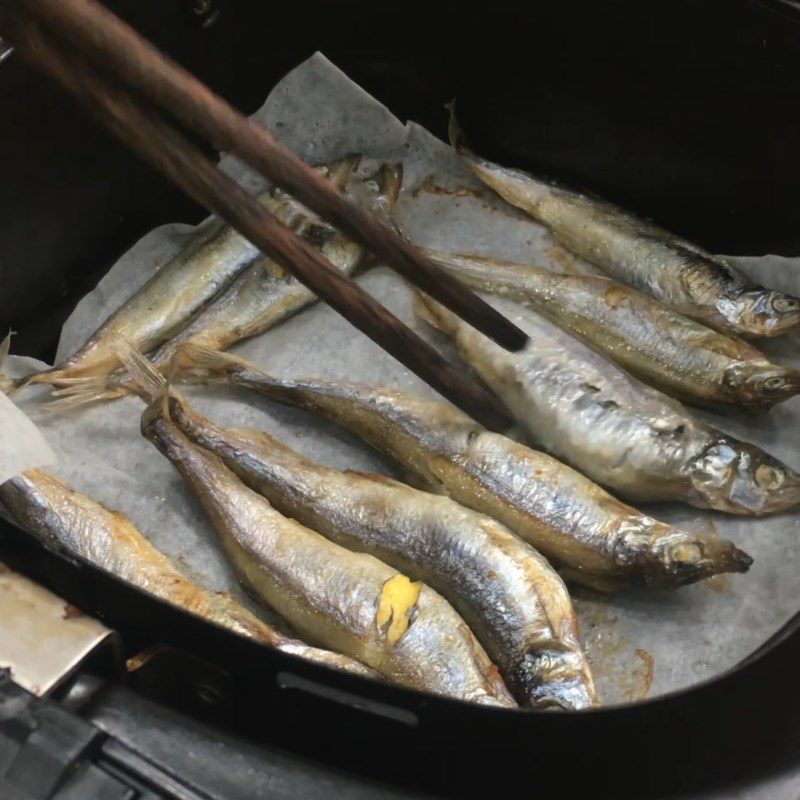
x=43, y=640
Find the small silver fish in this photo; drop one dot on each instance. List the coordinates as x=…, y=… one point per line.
x=681, y=275
x=596, y=539
x=512, y=599
x=172, y=296
x=627, y=436
x=651, y=341
x=64, y=518
x=348, y=602
x=264, y=294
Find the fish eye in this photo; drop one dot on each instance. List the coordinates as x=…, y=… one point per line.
x=783, y=304
x=686, y=553
x=769, y=477
x=774, y=383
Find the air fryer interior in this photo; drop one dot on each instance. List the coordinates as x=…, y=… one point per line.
x=682, y=113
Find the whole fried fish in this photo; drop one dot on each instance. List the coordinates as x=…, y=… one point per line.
x=264, y=294
x=661, y=347
x=513, y=601
x=627, y=436
x=600, y=541
x=349, y=602
x=65, y=518
x=174, y=294
x=680, y=274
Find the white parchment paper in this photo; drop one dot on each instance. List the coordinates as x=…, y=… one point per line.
x=639, y=642
x=22, y=445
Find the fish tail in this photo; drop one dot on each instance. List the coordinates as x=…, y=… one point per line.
x=389, y=178
x=65, y=377
x=202, y=363
x=152, y=383
x=6, y=384
x=454, y=132
x=436, y=315
x=10, y=386
x=83, y=391
x=341, y=171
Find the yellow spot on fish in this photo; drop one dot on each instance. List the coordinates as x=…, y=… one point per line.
x=397, y=600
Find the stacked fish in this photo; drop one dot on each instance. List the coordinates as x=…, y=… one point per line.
x=454, y=586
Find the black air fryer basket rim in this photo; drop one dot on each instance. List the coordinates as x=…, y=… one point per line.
x=55, y=568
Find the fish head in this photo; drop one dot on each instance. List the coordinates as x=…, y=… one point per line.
x=742, y=479
x=760, y=312
x=690, y=557
x=761, y=385
x=559, y=679
x=667, y=557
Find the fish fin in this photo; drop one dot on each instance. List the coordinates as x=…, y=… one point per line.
x=390, y=180
x=595, y=582
x=428, y=310
x=6, y=384
x=151, y=381
x=341, y=171
x=5, y=347
x=203, y=362
x=10, y=386
x=83, y=391
x=454, y=132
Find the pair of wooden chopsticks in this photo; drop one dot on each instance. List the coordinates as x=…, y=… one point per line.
x=160, y=111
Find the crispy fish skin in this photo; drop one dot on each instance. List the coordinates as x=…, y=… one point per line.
x=599, y=540
x=264, y=293
x=651, y=341
x=611, y=427
x=690, y=280
x=174, y=294
x=63, y=517
x=348, y=602
x=512, y=599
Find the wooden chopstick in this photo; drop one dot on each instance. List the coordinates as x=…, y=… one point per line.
x=115, y=46
x=156, y=140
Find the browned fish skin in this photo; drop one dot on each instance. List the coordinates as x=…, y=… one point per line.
x=63, y=517
x=661, y=347
x=264, y=294
x=638, y=253
x=509, y=595
x=217, y=290
x=349, y=602
x=561, y=513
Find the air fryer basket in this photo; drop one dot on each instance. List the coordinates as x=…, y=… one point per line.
x=685, y=112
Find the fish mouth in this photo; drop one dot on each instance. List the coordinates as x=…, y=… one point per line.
x=689, y=559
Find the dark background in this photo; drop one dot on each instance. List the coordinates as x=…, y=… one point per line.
x=684, y=111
